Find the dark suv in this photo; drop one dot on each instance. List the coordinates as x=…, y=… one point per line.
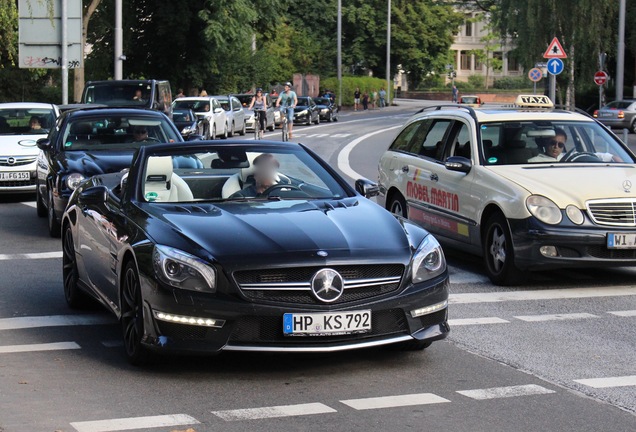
x=149, y=94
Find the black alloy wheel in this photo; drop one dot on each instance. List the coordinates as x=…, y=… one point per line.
x=132, y=316
x=74, y=296
x=39, y=202
x=54, y=224
x=499, y=255
x=397, y=205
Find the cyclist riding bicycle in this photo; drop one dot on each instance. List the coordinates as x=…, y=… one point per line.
x=259, y=104
x=288, y=101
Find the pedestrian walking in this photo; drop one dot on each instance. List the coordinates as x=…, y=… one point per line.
x=356, y=98
x=365, y=101
x=382, y=95
x=455, y=93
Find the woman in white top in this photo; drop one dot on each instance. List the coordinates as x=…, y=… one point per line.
x=259, y=103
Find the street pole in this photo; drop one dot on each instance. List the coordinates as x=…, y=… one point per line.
x=388, y=56
x=552, y=92
x=339, y=36
x=118, y=40
x=620, y=61
x=64, y=13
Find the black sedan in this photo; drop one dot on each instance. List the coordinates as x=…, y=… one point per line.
x=306, y=111
x=265, y=248
x=327, y=109
x=186, y=121
x=88, y=142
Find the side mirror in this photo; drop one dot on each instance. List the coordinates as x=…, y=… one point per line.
x=367, y=188
x=95, y=195
x=43, y=144
x=458, y=163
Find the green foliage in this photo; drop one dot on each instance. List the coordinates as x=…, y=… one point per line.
x=349, y=85
x=477, y=81
x=506, y=83
x=431, y=81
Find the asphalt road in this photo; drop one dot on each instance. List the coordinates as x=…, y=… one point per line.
x=557, y=354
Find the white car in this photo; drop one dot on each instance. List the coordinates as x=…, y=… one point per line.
x=235, y=116
x=213, y=122
x=528, y=187
x=18, y=149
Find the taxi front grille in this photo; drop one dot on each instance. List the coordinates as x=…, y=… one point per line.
x=12, y=161
x=614, y=212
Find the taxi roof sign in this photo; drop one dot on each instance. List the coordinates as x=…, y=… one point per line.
x=534, y=101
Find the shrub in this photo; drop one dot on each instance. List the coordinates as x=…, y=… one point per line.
x=520, y=82
x=349, y=84
x=431, y=81
x=476, y=81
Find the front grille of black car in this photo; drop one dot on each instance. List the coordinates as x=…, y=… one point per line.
x=605, y=253
x=17, y=160
x=293, y=285
x=613, y=212
x=257, y=329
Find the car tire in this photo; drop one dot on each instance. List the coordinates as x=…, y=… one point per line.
x=632, y=127
x=397, y=205
x=243, y=130
x=75, y=297
x=39, y=203
x=225, y=133
x=329, y=117
x=272, y=128
x=54, y=224
x=318, y=120
x=499, y=256
x=213, y=136
x=231, y=131
x=132, y=316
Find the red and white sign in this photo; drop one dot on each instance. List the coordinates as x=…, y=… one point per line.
x=600, y=78
x=555, y=50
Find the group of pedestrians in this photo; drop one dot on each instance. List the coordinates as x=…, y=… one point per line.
x=365, y=100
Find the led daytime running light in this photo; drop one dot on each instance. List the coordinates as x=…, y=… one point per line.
x=181, y=319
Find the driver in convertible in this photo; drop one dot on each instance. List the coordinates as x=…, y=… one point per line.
x=265, y=176
x=554, y=149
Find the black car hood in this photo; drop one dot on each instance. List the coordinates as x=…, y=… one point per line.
x=90, y=163
x=252, y=231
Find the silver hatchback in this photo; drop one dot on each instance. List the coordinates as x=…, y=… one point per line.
x=618, y=114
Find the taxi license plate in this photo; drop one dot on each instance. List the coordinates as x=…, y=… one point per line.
x=326, y=324
x=12, y=176
x=621, y=241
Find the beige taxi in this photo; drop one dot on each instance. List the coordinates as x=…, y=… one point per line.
x=528, y=186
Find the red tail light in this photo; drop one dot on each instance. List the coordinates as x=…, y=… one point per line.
x=595, y=113
x=621, y=114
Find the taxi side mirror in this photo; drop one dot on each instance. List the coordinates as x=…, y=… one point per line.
x=458, y=163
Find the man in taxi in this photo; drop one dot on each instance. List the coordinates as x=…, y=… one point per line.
x=554, y=149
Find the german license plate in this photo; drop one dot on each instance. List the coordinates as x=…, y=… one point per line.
x=326, y=324
x=607, y=114
x=12, y=176
x=621, y=241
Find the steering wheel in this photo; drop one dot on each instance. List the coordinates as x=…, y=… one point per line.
x=150, y=139
x=285, y=178
x=572, y=156
x=269, y=190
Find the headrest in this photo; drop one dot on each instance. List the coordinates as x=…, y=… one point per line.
x=487, y=144
x=159, y=169
x=230, y=159
x=516, y=144
x=81, y=128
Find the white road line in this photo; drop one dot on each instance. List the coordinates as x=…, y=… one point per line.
x=621, y=381
x=556, y=317
x=131, y=423
x=473, y=321
x=6, y=349
x=394, y=401
x=625, y=313
x=54, y=321
x=552, y=294
x=40, y=255
x=505, y=392
x=30, y=204
x=340, y=135
x=343, y=156
x=274, y=411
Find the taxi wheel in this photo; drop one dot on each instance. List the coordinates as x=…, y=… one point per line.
x=499, y=255
x=397, y=205
x=132, y=316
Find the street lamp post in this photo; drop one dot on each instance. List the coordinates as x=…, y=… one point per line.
x=119, y=59
x=620, y=60
x=339, y=60
x=388, y=55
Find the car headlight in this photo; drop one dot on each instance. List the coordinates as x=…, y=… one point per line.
x=428, y=261
x=186, y=130
x=302, y=113
x=544, y=209
x=74, y=180
x=182, y=270
x=574, y=214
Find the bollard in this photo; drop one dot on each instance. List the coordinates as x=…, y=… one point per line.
x=625, y=132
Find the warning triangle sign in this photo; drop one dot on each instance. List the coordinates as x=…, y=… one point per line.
x=555, y=50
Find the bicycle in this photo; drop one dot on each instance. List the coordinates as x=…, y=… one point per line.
x=257, y=123
x=285, y=120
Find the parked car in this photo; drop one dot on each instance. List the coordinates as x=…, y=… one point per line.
x=306, y=111
x=190, y=261
x=470, y=100
x=235, y=116
x=327, y=108
x=87, y=142
x=186, y=121
x=149, y=94
x=246, y=100
x=18, y=149
x=527, y=188
x=618, y=114
x=213, y=120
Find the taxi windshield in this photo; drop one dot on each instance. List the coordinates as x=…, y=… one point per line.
x=545, y=141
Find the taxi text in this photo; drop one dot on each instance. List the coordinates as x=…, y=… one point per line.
x=433, y=196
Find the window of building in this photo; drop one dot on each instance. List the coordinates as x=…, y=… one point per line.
x=513, y=64
x=468, y=27
x=464, y=60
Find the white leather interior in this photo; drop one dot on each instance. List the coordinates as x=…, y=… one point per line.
x=162, y=184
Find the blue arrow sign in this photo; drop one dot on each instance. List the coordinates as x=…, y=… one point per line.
x=555, y=66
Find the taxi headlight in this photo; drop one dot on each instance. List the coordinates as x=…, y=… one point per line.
x=182, y=270
x=574, y=214
x=428, y=261
x=74, y=180
x=544, y=209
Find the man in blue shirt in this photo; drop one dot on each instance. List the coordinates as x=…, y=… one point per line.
x=288, y=100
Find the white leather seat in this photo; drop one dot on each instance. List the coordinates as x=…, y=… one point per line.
x=162, y=184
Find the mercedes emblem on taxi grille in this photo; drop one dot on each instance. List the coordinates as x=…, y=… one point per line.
x=627, y=186
x=11, y=161
x=327, y=285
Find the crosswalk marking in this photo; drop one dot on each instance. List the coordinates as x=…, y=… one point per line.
x=620, y=381
x=8, y=349
x=475, y=321
x=624, y=313
x=30, y=204
x=394, y=401
x=555, y=317
x=274, y=411
x=549, y=294
x=40, y=255
x=54, y=321
x=505, y=392
x=131, y=423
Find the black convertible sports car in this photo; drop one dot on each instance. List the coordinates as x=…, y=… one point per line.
x=265, y=248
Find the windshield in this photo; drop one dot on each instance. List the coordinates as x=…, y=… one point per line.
x=245, y=100
x=201, y=105
x=118, y=94
x=26, y=121
x=322, y=101
x=238, y=173
x=116, y=132
x=182, y=115
x=544, y=141
x=618, y=105
x=303, y=101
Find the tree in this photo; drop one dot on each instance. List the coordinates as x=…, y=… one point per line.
x=89, y=9
x=492, y=43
